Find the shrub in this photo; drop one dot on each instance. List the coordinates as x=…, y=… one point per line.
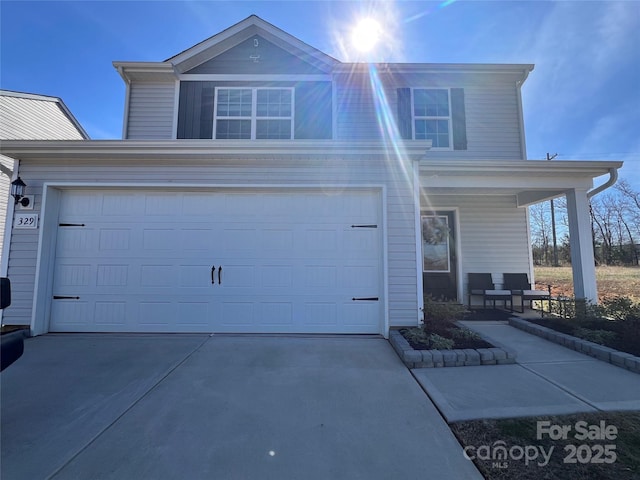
x=438, y=342
x=620, y=308
x=601, y=337
x=465, y=334
x=442, y=311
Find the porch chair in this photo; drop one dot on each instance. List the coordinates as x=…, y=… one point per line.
x=481, y=284
x=519, y=286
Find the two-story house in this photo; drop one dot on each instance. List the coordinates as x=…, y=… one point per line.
x=264, y=186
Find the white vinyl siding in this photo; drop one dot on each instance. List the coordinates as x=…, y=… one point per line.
x=493, y=235
x=493, y=124
x=356, y=109
x=402, y=301
x=151, y=111
x=491, y=113
x=27, y=118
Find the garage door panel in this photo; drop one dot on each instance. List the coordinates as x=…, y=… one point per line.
x=197, y=239
x=236, y=312
x=160, y=239
x=163, y=313
x=276, y=277
x=194, y=277
x=110, y=313
x=275, y=240
x=359, y=313
x=72, y=315
x=75, y=241
x=275, y=313
x=194, y=314
x=291, y=262
x=69, y=275
x=112, y=275
x=321, y=313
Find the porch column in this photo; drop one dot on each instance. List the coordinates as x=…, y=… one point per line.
x=581, y=241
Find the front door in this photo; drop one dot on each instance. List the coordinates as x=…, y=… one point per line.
x=439, y=260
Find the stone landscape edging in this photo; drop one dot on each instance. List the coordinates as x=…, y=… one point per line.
x=600, y=352
x=497, y=355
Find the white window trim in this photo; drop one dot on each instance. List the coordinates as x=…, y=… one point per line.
x=254, y=110
x=448, y=118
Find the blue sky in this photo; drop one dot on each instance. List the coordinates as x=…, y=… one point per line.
x=582, y=100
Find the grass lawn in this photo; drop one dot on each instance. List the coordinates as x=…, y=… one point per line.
x=573, y=458
x=612, y=281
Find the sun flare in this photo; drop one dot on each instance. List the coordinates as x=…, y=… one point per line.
x=366, y=35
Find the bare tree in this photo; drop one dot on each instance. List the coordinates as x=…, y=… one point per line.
x=615, y=225
x=540, y=224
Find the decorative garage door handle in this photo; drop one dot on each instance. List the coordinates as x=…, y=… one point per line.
x=213, y=275
x=363, y=299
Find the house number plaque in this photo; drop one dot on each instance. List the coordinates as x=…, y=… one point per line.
x=26, y=220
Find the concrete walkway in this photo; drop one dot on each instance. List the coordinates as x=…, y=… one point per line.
x=547, y=379
x=223, y=407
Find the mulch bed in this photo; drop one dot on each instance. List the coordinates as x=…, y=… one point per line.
x=627, y=338
x=445, y=329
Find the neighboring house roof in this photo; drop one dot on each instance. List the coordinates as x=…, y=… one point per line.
x=25, y=116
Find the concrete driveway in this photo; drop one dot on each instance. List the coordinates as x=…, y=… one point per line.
x=220, y=407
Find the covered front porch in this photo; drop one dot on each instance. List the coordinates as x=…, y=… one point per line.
x=483, y=206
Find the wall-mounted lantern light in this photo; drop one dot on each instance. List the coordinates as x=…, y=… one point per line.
x=17, y=191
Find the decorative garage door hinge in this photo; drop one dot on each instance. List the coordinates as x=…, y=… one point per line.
x=71, y=224
x=364, y=226
x=65, y=297
x=365, y=299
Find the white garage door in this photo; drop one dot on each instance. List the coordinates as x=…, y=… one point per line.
x=225, y=261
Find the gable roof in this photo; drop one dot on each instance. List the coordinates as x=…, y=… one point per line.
x=26, y=116
x=242, y=31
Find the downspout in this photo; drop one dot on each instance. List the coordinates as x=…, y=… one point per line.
x=8, y=224
x=613, y=178
x=519, y=83
x=418, y=230
x=8, y=228
x=127, y=96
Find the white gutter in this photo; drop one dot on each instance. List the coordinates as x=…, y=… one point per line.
x=613, y=178
x=127, y=97
x=8, y=225
x=417, y=209
x=418, y=229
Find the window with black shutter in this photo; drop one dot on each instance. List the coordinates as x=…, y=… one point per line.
x=436, y=114
x=281, y=110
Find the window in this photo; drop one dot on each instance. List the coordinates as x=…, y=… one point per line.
x=432, y=116
x=254, y=113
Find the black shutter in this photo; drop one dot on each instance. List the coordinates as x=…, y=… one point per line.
x=313, y=111
x=404, y=113
x=458, y=119
x=195, y=110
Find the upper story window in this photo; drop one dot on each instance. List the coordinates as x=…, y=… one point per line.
x=432, y=116
x=254, y=113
